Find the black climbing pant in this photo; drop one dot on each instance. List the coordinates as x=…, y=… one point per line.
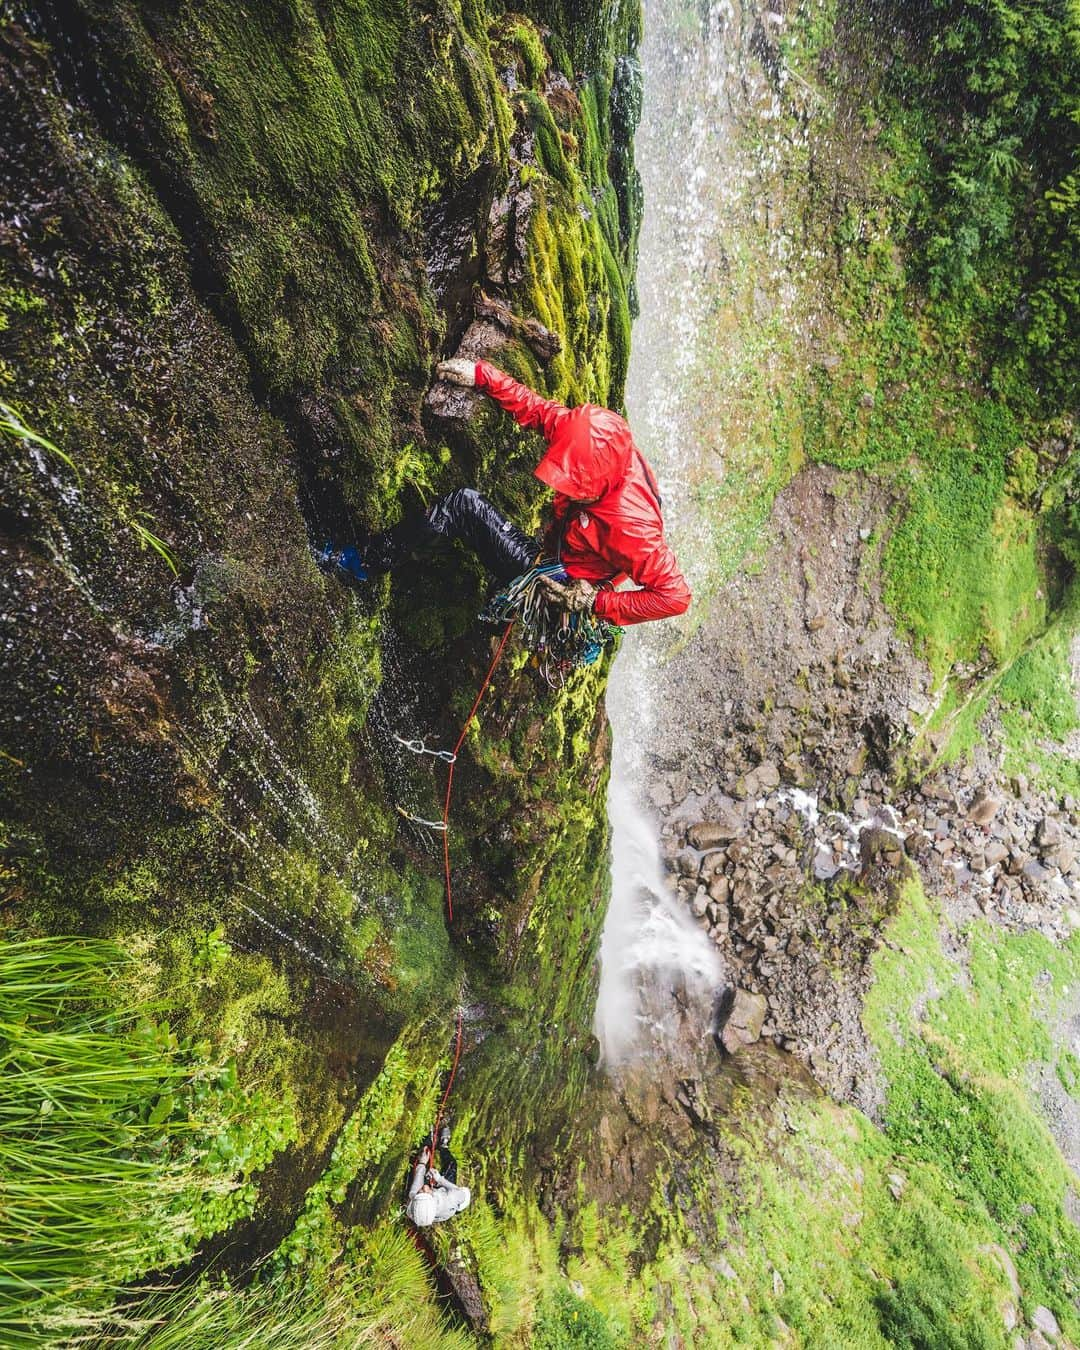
x=447, y=1165
x=504, y=550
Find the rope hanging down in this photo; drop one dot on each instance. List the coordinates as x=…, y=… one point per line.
x=562, y=642
x=451, y=761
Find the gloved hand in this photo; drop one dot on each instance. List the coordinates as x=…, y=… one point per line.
x=576, y=597
x=457, y=370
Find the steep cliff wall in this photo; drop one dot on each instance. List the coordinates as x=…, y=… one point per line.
x=234, y=242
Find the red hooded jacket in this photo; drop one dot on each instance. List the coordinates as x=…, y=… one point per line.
x=607, y=505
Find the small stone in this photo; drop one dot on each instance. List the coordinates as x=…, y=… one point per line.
x=815, y=624
x=720, y=889
x=724, y=1267
x=700, y=902
x=1019, y=785
x=1018, y=860
x=1034, y=871
x=897, y=1182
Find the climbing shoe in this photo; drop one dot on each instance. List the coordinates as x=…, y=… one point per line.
x=344, y=563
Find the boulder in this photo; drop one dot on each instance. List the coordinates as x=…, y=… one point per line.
x=995, y=852
x=984, y=807
x=765, y=778
x=720, y=889
x=1042, y=1319
x=687, y=862
x=700, y=902
x=715, y=833
x=1048, y=834
x=744, y=1021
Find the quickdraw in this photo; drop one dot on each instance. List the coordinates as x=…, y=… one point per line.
x=439, y=825
x=561, y=641
x=419, y=748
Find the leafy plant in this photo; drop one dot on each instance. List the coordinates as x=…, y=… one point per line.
x=148, y=539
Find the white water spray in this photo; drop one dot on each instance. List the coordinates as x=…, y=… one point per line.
x=659, y=973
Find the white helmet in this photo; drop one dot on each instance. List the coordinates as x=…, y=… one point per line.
x=421, y=1209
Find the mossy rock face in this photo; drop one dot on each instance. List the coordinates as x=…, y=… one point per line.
x=238, y=242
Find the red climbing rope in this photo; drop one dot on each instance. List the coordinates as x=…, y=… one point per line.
x=450, y=775
x=446, y=860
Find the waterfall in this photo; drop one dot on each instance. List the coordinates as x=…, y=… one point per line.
x=659, y=971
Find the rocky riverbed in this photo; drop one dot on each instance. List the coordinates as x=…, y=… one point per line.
x=790, y=831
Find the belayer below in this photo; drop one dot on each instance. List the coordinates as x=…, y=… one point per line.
x=607, y=524
x=434, y=1196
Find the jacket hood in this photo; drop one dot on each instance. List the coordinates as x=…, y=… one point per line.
x=589, y=454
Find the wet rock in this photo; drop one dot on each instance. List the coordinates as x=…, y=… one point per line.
x=744, y=1021
x=984, y=807
x=825, y=865
x=700, y=902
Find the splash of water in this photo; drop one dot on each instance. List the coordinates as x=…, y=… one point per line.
x=659, y=973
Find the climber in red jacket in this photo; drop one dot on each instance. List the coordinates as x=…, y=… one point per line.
x=607, y=524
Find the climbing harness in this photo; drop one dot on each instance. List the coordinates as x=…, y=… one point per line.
x=419, y=748
x=561, y=641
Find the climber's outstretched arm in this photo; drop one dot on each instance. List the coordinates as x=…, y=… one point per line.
x=526, y=407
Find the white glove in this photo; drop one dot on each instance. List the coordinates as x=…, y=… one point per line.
x=457, y=370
